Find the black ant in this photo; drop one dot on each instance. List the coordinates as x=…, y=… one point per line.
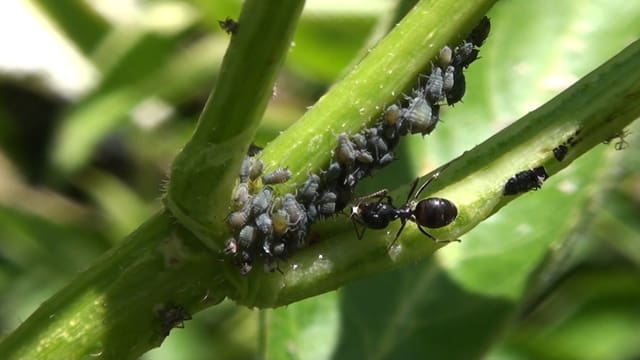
x=432, y=213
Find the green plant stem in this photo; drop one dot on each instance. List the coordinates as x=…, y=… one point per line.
x=474, y=182
x=205, y=170
x=113, y=310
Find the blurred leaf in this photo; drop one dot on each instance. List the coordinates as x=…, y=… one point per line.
x=304, y=330
x=456, y=306
x=79, y=22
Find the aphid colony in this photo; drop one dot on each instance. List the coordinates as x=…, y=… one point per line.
x=265, y=225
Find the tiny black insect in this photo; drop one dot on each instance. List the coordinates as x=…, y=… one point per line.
x=560, y=152
x=229, y=25
x=173, y=317
x=526, y=180
x=431, y=213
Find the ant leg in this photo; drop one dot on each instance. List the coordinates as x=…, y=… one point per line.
x=404, y=222
x=431, y=179
x=434, y=239
x=359, y=234
x=384, y=193
x=413, y=187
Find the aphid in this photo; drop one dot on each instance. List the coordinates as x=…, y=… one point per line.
x=264, y=224
x=458, y=89
x=376, y=144
x=280, y=221
x=419, y=115
x=386, y=159
x=229, y=25
x=173, y=317
x=434, y=85
x=345, y=153
x=392, y=115
x=480, y=33
x=253, y=150
x=261, y=201
x=359, y=140
x=244, y=169
x=332, y=173
x=327, y=203
x=448, y=79
x=246, y=236
x=464, y=55
x=435, y=116
x=445, y=56
x=309, y=190
x=312, y=212
x=364, y=156
x=560, y=152
x=256, y=169
x=237, y=219
x=526, y=180
x=278, y=176
x=431, y=213
x=241, y=195
x=297, y=214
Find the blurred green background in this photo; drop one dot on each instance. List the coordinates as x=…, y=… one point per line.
x=96, y=98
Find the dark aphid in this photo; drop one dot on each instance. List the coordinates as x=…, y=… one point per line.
x=432, y=213
x=386, y=159
x=253, y=150
x=295, y=210
x=359, y=140
x=278, y=176
x=246, y=263
x=419, y=116
x=241, y=195
x=480, y=33
x=434, y=86
x=363, y=156
x=464, y=55
x=237, y=219
x=445, y=56
x=458, y=89
x=345, y=153
x=309, y=190
x=172, y=317
x=229, y=25
x=280, y=221
x=245, y=167
x=261, y=201
x=560, y=152
x=448, y=79
x=312, y=212
x=246, y=236
x=332, y=173
x=327, y=203
x=376, y=144
x=256, y=169
x=435, y=116
x=526, y=180
x=264, y=224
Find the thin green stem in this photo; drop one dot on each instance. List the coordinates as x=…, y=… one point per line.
x=474, y=182
x=114, y=309
x=203, y=173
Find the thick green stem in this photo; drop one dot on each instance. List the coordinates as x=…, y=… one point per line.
x=114, y=309
x=205, y=170
x=474, y=182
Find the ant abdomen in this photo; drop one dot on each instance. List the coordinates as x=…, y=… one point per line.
x=435, y=212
